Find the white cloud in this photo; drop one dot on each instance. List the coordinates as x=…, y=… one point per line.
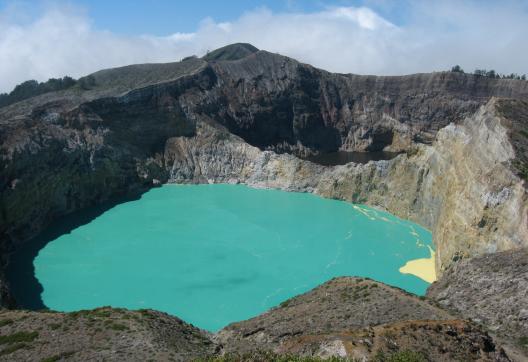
x=436, y=36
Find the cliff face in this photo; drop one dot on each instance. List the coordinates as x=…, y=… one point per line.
x=220, y=119
x=492, y=290
x=464, y=187
x=276, y=103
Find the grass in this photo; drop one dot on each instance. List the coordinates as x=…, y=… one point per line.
x=264, y=356
x=523, y=342
x=522, y=169
x=12, y=348
x=268, y=356
x=402, y=356
x=58, y=357
x=5, y=322
x=285, y=303
x=118, y=327
x=19, y=337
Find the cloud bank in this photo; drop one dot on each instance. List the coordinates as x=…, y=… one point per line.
x=435, y=36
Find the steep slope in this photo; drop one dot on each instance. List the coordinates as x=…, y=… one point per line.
x=276, y=103
x=101, y=334
x=362, y=319
x=464, y=187
x=492, y=290
x=338, y=305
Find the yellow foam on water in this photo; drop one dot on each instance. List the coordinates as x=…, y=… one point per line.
x=423, y=268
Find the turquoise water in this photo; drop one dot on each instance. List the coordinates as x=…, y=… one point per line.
x=215, y=254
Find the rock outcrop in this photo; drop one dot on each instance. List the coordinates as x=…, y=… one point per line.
x=491, y=290
x=339, y=305
x=465, y=186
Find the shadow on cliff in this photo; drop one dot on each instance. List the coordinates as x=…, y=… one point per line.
x=23, y=283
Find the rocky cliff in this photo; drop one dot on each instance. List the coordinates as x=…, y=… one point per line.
x=465, y=186
x=241, y=115
x=491, y=290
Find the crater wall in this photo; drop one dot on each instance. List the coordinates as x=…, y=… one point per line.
x=224, y=121
x=463, y=186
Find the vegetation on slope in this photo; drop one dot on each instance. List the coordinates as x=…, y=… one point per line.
x=32, y=88
x=265, y=356
x=490, y=73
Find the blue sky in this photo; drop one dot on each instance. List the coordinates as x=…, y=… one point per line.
x=162, y=17
x=40, y=39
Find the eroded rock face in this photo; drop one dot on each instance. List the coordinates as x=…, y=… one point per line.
x=362, y=319
x=464, y=187
x=491, y=290
x=455, y=340
x=338, y=305
x=276, y=103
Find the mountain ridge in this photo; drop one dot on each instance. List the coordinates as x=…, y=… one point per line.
x=233, y=48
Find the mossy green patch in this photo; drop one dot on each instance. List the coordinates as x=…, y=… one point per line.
x=12, y=348
x=5, y=322
x=58, y=357
x=18, y=337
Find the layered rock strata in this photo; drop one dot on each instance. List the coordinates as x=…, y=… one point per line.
x=464, y=187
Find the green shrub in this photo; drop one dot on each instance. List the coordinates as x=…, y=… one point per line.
x=402, y=356
x=523, y=342
x=261, y=356
x=32, y=88
x=63, y=355
x=285, y=303
x=12, y=348
x=18, y=337
x=118, y=327
x=5, y=322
